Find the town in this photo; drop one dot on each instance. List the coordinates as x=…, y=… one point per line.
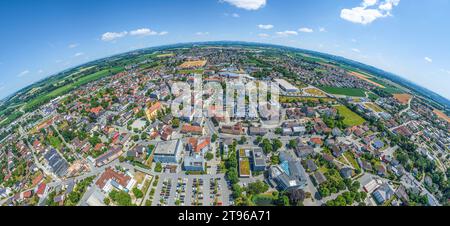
x=345, y=136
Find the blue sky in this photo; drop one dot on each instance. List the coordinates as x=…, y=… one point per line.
x=409, y=38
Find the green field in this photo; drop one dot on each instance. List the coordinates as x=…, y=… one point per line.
x=351, y=118
x=344, y=91
x=263, y=200
x=65, y=89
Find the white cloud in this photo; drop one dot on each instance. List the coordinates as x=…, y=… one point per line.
x=263, y=35
x=40, y=71
x=147, y=32
x=356, y=50
x=111, y=36
x=74, y=45
x=361, y=15
x=247, y=4
x=266, y=26
x=369, y=11
x=287, y=33
x=200, y=33
x=388, y=5
x=78, y=54
x=163, y=33
x=143, y=32
x=429, y=60
x=322, y=29
x=369, y=2
x=306, y=30
x=23, y=73
x=235, y=15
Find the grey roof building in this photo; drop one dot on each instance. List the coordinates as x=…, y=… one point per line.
x=289, y=174
x=259, y=160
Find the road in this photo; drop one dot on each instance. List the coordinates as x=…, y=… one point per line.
x=407, y=109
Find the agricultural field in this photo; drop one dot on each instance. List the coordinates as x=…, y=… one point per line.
x=350, y=117
x=366, y=78
x=193, y=64
x=352, y=92
x=284, y=99
x=65, y=89
x=165, y=55
x=374, y=107
x=441, y=115
x=403, y=98
x=314, y=92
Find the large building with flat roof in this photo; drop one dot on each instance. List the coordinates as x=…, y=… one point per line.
x=286, y=86
x=168, y=152
x=258, y=160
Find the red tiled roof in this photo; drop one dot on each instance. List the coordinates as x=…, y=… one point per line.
x=41, y=189
x=155, y=107
x=37, y=180
x=317, y=141
x=191, y=129
x=96, y=110
x=120, y=178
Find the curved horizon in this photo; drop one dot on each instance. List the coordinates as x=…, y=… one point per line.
x=212, y=43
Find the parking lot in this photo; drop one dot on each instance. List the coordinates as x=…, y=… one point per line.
x=191, y=190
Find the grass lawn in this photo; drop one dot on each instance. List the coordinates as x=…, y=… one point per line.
x=373, y=96
x=350, y=117
x=244, y=167
x=55, y=142
x=263, y=200
x=344, y=91
x=351, y=159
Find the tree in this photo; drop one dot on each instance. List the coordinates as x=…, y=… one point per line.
x=214, y=138
x=121, y=198
x=257, y=187
x=137, y=193
x=277, y=144
x=278, y=131
x=243, y=140
x=296, y=197
x=209, y=156
x=232, y=176
x=237, y=191
x=267, y=146
x=107, y=201
x=158, y=167
x=293, y=144
x=282, y=200
x=175, y=123
x=258, y=140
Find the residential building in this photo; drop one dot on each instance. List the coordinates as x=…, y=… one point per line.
x=168, y=152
